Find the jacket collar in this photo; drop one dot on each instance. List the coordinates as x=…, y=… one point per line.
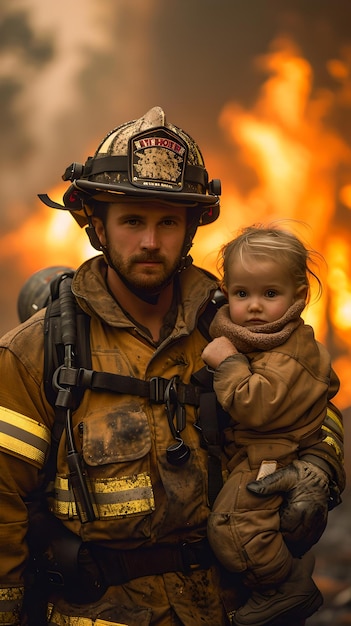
x=90, y=289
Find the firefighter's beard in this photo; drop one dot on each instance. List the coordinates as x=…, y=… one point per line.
x=140, y=277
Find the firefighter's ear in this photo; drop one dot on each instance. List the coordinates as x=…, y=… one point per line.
x=98, y=227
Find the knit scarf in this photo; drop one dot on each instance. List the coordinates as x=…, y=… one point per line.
x=260, y=337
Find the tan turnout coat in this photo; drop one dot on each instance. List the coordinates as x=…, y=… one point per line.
x=141, y=500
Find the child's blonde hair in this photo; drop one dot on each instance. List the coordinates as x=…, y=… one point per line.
x=271, y=241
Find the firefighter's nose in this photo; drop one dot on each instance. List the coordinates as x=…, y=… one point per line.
x=150, y=239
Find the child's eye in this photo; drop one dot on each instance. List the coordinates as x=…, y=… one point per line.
x=271, y=293
x=241, y=293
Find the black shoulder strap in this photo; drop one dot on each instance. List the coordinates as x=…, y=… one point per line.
x=207, y=316
x=54, y=358
x=53, y=345
x=212, y=418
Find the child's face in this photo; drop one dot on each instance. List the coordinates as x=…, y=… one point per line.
x=259, y=291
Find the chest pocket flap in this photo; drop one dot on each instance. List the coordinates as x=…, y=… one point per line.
x=121, y=435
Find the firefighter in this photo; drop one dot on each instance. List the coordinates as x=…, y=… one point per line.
x=105, y=491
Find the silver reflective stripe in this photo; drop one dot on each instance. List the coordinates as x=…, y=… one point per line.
x=24, y=437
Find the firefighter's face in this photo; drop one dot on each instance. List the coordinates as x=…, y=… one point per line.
x=144, y=240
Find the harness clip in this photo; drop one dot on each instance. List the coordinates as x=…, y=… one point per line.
x=157, y=389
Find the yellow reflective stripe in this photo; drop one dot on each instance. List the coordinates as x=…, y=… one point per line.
x=10, y=605
x=124, y=496
x=113, y=497
x=334, y=418
x=60, y=619
x=331, y=441
x=23, y=436
x=103, y=622
x=11, y=593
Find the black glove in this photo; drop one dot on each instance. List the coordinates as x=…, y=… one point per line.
x=304, y=512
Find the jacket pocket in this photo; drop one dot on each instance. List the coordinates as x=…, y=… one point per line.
x=121, y=435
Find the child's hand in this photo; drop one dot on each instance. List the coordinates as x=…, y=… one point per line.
x=218, y=350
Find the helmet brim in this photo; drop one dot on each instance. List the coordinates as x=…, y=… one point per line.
x=80, y=192
x=162, y=193
x=207, y=205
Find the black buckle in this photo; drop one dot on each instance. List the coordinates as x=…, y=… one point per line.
x=55, y=578
x=197, y=555
x=85, y=378
x=64, y=377
x=178, y=452
x=157, y=389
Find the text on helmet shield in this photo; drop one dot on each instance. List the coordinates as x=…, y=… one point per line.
x=157, y=159
x=159, y=141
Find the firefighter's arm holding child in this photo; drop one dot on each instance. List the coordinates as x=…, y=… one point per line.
x=311, y=486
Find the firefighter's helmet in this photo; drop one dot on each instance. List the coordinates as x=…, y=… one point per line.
x=147, y=158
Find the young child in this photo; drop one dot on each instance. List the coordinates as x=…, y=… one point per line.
x=274, y=379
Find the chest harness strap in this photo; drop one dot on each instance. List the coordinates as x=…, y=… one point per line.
x=153, y=389
x=68, y=375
